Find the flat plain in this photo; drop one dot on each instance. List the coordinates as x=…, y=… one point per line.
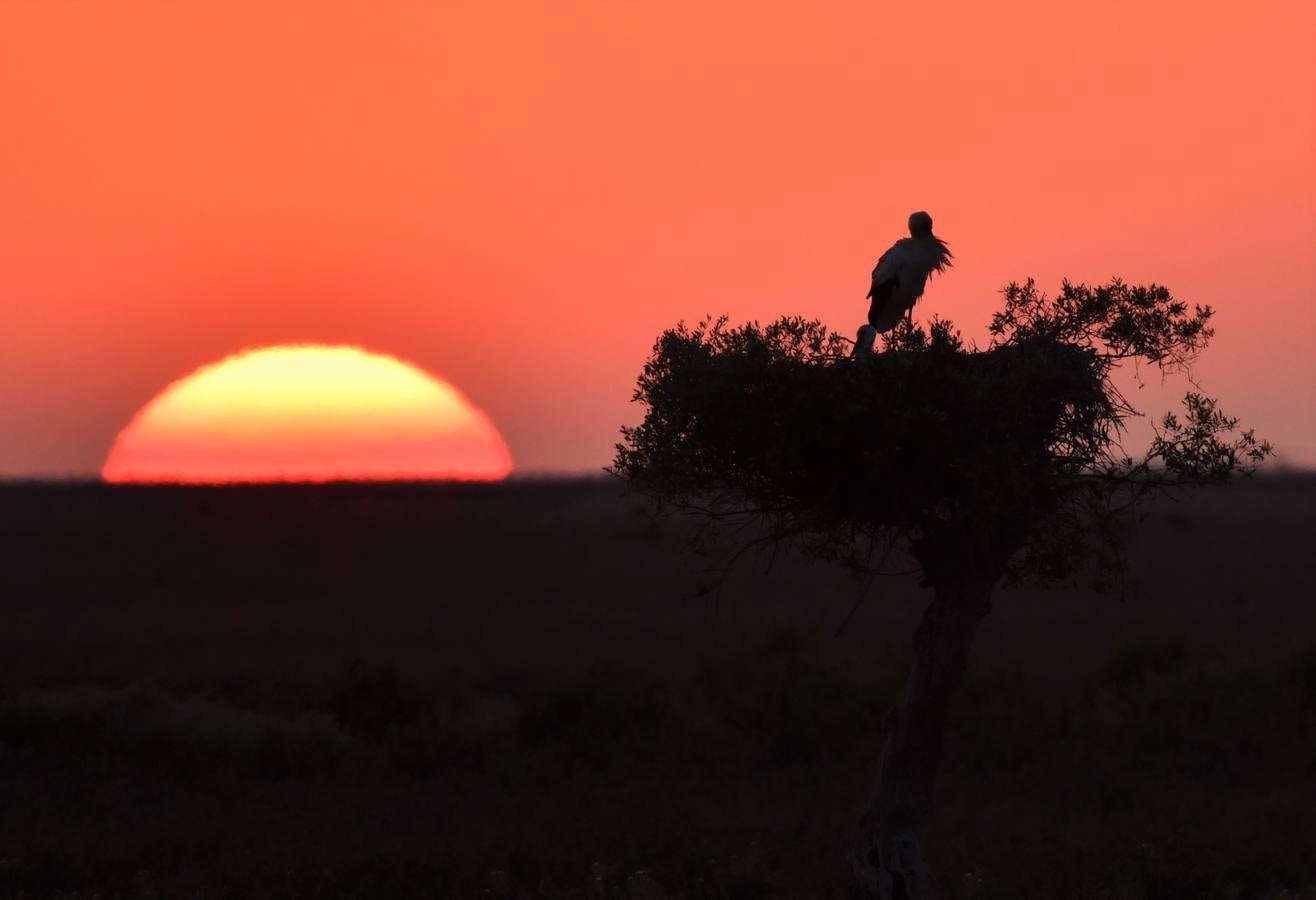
x=536, y=689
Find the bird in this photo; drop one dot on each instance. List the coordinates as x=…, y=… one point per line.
x=902, y=273
x=864, y=341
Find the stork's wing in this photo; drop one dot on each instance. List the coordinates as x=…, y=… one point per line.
x=885, y=274
x=881, y=291
x=891, y=271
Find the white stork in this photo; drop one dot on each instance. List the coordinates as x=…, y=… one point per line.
x=900, y=277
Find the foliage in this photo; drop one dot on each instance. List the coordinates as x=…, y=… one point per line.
x=1117, y=320
x=1007, y=459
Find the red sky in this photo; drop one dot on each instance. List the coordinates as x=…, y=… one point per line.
x=519, y=196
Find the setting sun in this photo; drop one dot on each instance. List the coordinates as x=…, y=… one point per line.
x=308, y=413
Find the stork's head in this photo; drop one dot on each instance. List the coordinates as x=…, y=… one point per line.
x=920, y=224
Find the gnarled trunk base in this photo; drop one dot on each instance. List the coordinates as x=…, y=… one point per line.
x=888, y=861
x=889, y=865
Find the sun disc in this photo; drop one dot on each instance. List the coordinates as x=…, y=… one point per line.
x=308, y=412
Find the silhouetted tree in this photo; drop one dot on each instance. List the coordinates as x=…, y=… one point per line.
x=978, y=467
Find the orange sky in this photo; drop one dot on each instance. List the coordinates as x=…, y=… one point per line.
x=519, y=196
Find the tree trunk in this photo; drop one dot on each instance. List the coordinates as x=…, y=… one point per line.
x=888, y=861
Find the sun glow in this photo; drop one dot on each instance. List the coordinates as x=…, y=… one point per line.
x=308, y=413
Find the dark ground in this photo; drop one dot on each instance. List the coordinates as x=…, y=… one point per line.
x=416, y=691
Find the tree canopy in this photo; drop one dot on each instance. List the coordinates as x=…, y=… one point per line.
x=1008, y=458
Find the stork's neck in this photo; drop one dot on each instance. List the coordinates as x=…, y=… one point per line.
x=936, y=250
